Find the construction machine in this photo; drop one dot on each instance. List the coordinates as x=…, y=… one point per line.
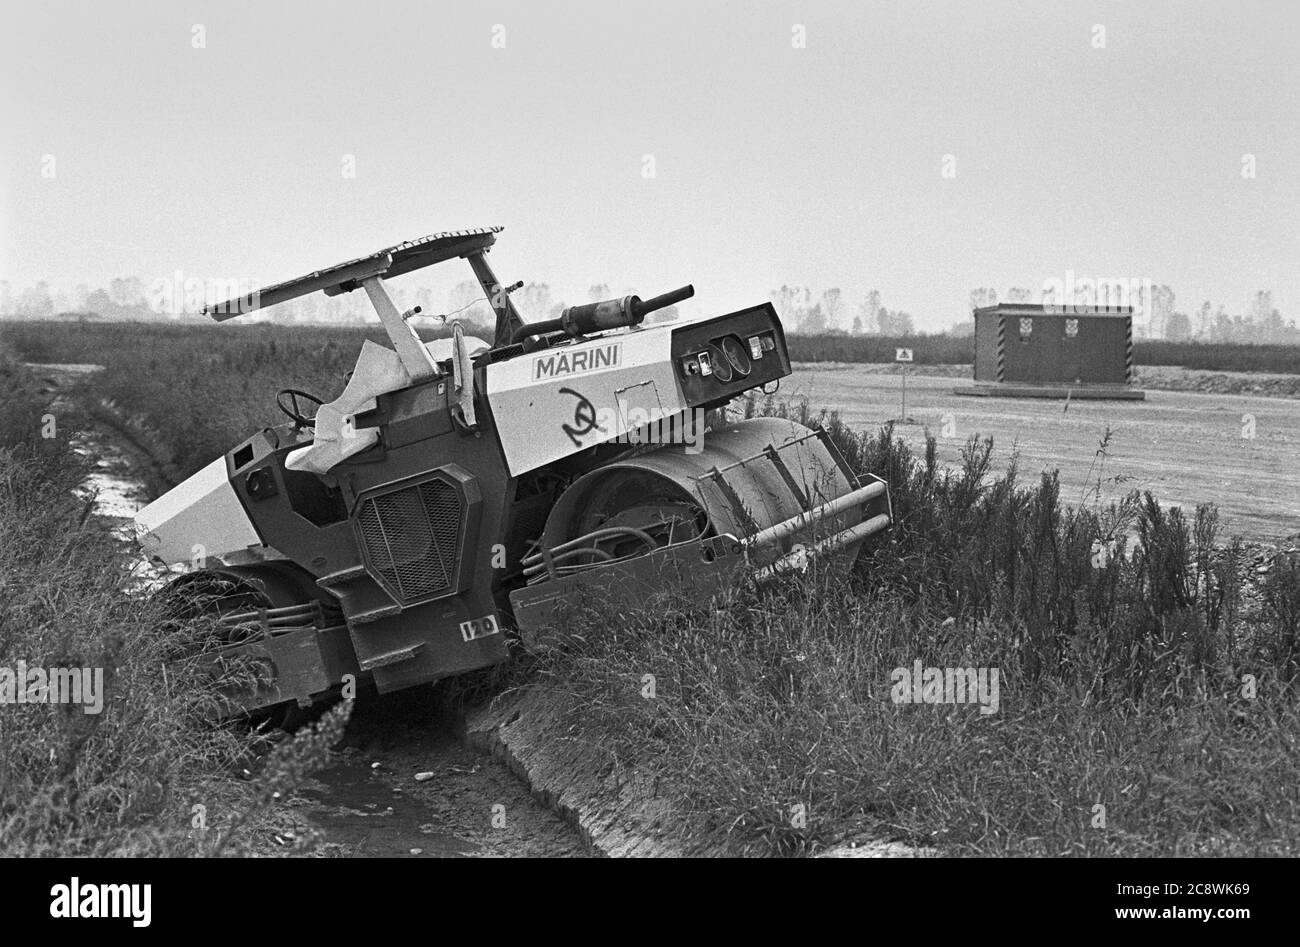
x=459, y=495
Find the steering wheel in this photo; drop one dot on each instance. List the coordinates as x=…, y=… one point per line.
x=286, y=399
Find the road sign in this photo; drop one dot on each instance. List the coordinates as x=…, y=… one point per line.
x=904, y=356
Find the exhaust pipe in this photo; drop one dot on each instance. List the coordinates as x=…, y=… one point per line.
x=597, y=317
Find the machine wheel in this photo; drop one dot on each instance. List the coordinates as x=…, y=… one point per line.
x=632, y=512
x=224, y=594
x=736, y=485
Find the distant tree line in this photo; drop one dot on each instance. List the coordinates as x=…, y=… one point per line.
x=122, y=300
x=830, y=312
x=129, y=299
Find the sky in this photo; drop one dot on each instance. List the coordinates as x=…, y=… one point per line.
x=921, y=149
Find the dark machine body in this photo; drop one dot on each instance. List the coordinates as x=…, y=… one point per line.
x=460, y=494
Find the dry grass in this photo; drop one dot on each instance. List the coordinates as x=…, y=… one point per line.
x=1122, y=686
x=1124, y=683
x=124, y=781
x=190, y=392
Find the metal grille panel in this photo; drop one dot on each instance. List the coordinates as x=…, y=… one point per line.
x=412, y=538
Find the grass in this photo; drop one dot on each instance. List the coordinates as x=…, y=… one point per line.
x=221, y=379
x=1156, y=680
x=149, y=775
x=927, y=349
x=1124, y=686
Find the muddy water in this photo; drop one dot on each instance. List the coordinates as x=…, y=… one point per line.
x=370, y=803
x=359, y=806
x=118, y=492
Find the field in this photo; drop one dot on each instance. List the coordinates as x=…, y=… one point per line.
x=188, y=392
x=1240, y=453
x=948, y=350
x=224, y=379
x=1158, y=682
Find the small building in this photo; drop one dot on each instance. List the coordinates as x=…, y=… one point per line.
x=1025, y=350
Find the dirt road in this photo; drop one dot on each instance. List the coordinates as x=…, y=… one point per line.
x=1239, y=452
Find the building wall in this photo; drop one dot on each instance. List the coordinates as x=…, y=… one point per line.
x=1095, y=356
x=1098, y=354
x=986, y=346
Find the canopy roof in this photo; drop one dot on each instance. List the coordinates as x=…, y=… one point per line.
x=345, y=277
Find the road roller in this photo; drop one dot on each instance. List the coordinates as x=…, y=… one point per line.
x=461, y=497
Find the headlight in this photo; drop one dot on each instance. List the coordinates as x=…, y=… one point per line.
x=721, y=363
x=736, y=355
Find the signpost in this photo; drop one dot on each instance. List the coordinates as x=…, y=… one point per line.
x=904, y=357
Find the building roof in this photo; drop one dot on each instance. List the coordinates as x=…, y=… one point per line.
x=1073, y=311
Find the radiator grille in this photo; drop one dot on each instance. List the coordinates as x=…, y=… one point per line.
x=412, y=538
